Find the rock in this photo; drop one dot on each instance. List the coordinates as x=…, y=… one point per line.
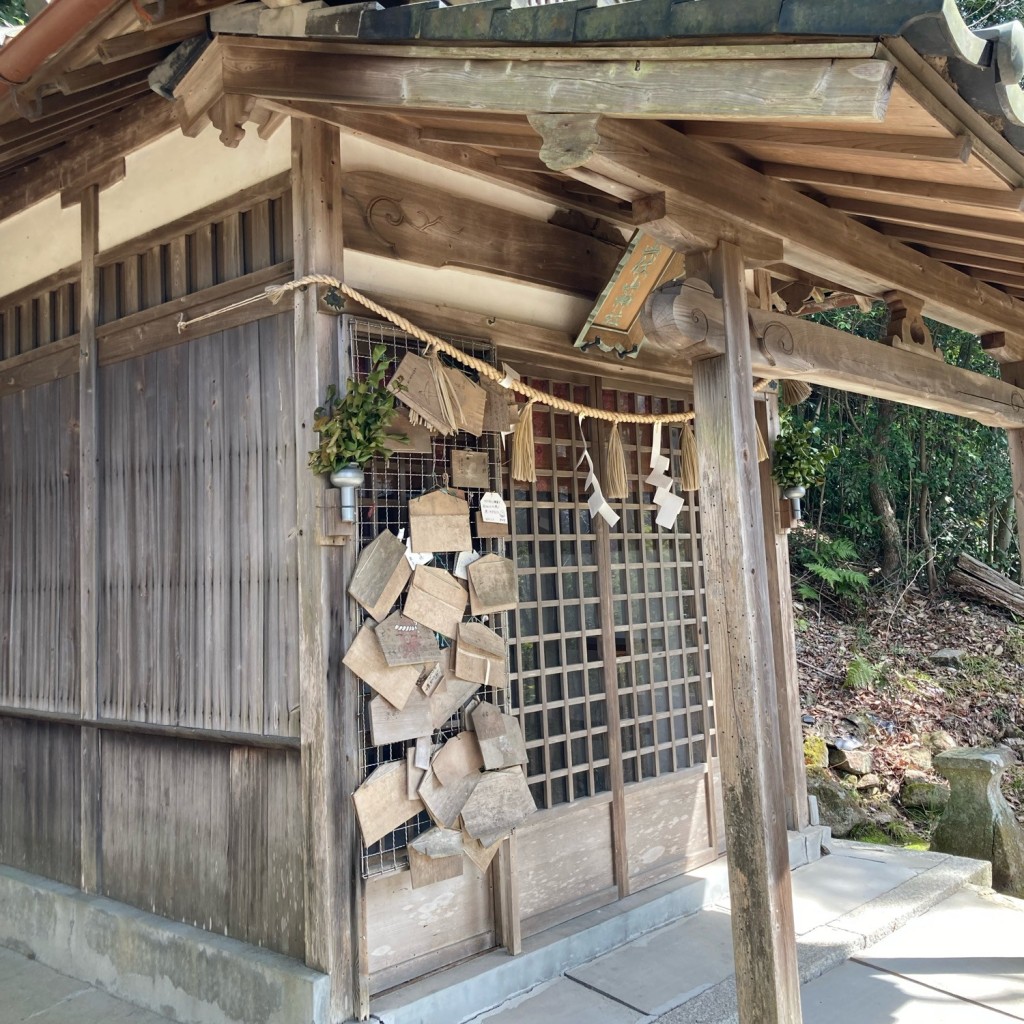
x=917, y=756
x=837, y=805
x=869, y=781
x=977, y=821
x=808, y=719
x=847, y=743
x=856, y=762
x=815, y=752
x=938, y=741
x=949, y=657
x=859, y=725
x=923, y=795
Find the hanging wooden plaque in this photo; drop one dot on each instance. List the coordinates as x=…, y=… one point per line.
x=444, y=803
x=406, y=642
x=413, y=384
x=437, y=600
x=499, y=802
x=366, y=660
x=381, y=575
x=480, y=655
x=449, y=697
x=499, y=737
x=434, y=856
x=501, y=412
x=439, y=521
x=470, y=401
x=458, y=757
x=490, y=531
x=479, y=854
x=382, y=802
x=418, y=439
x=389, y=724
x=493, y=586
x=471, y=469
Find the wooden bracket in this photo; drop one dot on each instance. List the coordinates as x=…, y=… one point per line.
x=334, y=531
x=330, y=301
x=229, y=114
x=907, y=329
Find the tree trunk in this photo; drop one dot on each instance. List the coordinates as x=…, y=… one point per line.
x=881, y=503
x=924, y=512
x=1004, y=532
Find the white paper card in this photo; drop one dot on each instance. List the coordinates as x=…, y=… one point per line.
x=463, y=560
x=597, y=503
x=416, y=559
x=510, y=375
x=493, y=508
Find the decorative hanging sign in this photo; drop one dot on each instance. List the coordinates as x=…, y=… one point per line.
x=405, y=641
x=492, y=585
x=439, y=521
x=480, y=655
x=381, y=575
x=437, y=600
x=614, y=322
x=596, y=502
x=471, y=469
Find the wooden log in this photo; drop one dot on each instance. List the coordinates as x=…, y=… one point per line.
x=764, y=939
x=983, y=581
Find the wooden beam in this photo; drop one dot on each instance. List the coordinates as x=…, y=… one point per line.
x=1000, y=277
x=92, y=75
x=873, y=145
x=949, y=240
x=120, y=47
x=1010, y=229
x=988, y=198
x=697, y=179
x=71, y=165
x=784, y=346
x=329, y=719
x=88, y=548
x=846, y=90
x=967, y=259
x=780, y=607
x=505, y=140
x=764, y=938
x=403, y=220
x=169, y=12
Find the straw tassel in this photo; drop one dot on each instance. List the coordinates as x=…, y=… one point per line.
x=689, y=467
x=793, y=392
x=447, y=399
x=762, y=448
x=616, y=485
x=524, y=466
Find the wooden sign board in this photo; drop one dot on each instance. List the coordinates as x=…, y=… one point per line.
x=406, y=642
x=444, y=803
x=493, y=585
x=471, y=469
x=459, y=757
x=499, y=737
x=439, y=521
x=490, y=531
x=435, y=856
x=614, y=322
x=480, y=655
x=382, y=802
x=413, y=384
x=501, y=413
x=366, y=660
x=470, y=401
x=437, y=600
x=381, y=575
x=499, y=803
x=418, y=439
x=389, y=724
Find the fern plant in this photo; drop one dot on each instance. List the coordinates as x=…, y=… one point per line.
x=830, y=565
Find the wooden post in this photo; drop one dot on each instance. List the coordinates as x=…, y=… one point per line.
x=780, y=604
x=1013, y=373
x=329, y=740
x=742, y=663
x=88, y=540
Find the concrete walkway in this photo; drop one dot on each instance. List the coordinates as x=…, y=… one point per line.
x=886, y=937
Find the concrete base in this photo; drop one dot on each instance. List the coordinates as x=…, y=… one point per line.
x=488, y=981
x=184, y=973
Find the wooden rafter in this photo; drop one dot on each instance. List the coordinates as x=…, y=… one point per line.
x=930, y=217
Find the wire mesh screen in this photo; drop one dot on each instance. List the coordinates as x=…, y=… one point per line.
x=384, y=504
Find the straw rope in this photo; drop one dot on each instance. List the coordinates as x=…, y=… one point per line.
x=277, y=292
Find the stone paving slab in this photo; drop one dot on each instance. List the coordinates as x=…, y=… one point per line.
x=31, y=992
x=665, y=968
x=564, y=1002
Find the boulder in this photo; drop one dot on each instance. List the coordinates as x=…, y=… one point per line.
x=949, y=657
x=977, y=821
x=869, y=782
x=815, y=751
x=919, y=757
x=837, y=804
x=938, y=741
x=923, y=795
x=856, y=762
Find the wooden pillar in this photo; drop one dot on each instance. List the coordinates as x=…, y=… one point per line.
x=88, y=540
x=329, y=739
x=780, y=604
x=743, y=667
x=1013, y=373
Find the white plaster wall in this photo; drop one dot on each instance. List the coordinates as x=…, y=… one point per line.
x=38, y=242
x=176, y=175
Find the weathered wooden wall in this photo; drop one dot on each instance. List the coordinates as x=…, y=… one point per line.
x=198, y=767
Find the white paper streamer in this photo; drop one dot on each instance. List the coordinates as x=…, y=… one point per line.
x=669, y=503
x=597, y=503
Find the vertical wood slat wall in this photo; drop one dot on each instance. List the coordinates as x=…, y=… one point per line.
x=197, y=605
